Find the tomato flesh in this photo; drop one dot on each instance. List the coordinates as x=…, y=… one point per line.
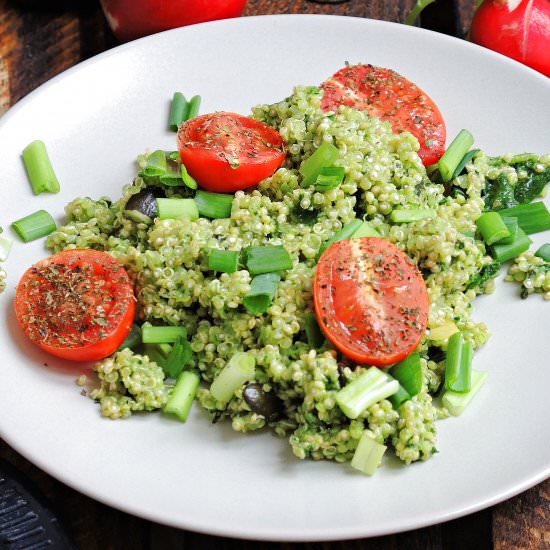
x=226, y=152
x=371, y=301
x=77, y=304
x=387, y=95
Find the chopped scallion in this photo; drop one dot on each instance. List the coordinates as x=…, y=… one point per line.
x=465, y=160
x=543, y=252
x=325, y=155
x=398, y=398
x=133, y=340
x=266, y=259
x=458, y=364
x=187, y=179
x=450, y=160
x=532, y=217
x=178, y=111
x=492, y=227
x=39, y=168
x=179, y=356
x=503, y=252
x=5, y=247
x=214, y=205
x=513, y=227
x=329, y=178
x=442, y=332
x=225, y=261
x=402, y=215
x=368, y=455
x=241, y=368
x=369, y=388
x=314, y=335
x=365, y=230
x=161, y=335
x=345, y=233
x=262, y=291
x=182, y=396
x=409, y=373
x=456, y=402
x=194, y=105
x=177, y=209
x=35, y=225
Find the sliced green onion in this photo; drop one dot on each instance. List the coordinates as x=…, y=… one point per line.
x=133, y=340
x=39, y=169
x=161, y=335
x=214, y=205
x=324, y=156
x=314, y=335
x=415, y=12
x=409, y=373
x=188, y=181
x=403, y=215
x=329, y=178
x=5, y=247
x=450, y=160
x=369, y=388
x=262, y=291
x=543, y=252
x=465, y=160
x=177, y=209
x=158, y=353
x=156, y=164
x=347, y=232
x=225, y=261
x=266, y=259
x=442, y=332
x=179, y=356
x=492, y=227
x=365, y=230
x=183, y=394
x=194, y=104
x=368, y=455
x=35, y=225
x=397, y=399
x=178, y=111
x=532, y=218
x=458, y=364
x=456, y=402
x=240, y=369
x=513, y=228
x=503, y=252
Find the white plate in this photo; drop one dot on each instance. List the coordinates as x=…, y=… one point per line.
x=96, y=118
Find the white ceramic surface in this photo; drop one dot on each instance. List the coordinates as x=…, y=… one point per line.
x=96, y=118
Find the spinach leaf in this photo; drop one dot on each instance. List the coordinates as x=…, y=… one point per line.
x=487, y=272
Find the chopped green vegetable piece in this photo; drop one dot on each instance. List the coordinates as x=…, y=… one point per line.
x=178, y=111
x=225, y=261
x=542, y=252
x=133, y=340
x=194, y=105
x=465, y=160
x=492, y=227
x=156, y=164
x=408, y=373
x=266, y=259
x=398, y=398
x=456, y=402
x=177, y=209
x=402, y=215
x=262, y=291
x=241, y=368
x=161, y=335
x=314, y=335
x=513, y=227
x=214, y=205
x=35, y=225
x=5, y=247
x=180, y=401
x=369, y=388
x=368, y=455
x=347, y=232
x=158, y=353
x=450, y=160
x=458, y=364
x=532, y=218
x=325, y=156
x=442, y=332
x=487, y=272
x=504, y=252
x=39, y=169
x=180, y=355
x=329, y=178
x=188, y=181
x=365, y=230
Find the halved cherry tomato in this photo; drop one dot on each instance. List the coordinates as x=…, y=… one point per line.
x=77, y=304
x=226, y=152
x=370, y=300
x=387, y=95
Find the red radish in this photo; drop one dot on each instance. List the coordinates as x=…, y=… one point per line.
x=519, y=29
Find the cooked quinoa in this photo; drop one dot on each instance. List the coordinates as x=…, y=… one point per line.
x=532, y=273
x=167, y=260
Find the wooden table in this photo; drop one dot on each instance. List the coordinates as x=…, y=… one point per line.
x=38, y=43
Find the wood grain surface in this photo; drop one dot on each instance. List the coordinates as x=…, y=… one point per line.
x=41, y=39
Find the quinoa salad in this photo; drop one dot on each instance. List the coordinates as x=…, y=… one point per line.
x=294, y=374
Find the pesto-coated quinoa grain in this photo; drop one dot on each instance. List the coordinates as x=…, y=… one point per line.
x=167, y=261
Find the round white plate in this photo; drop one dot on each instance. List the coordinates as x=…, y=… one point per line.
x=96, y=118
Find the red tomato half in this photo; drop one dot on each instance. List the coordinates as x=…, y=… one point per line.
x=387, y=95
x=370, y=300
x=226, y=152
x=77, y=304
x=131, y=19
